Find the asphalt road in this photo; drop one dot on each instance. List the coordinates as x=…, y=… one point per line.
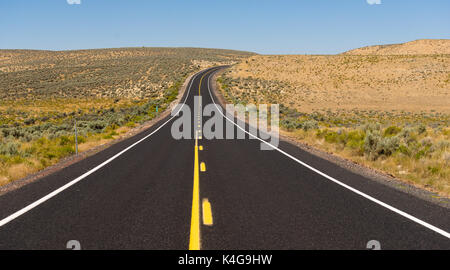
x=147, y=192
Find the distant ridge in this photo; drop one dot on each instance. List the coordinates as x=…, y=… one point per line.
x=420, y=46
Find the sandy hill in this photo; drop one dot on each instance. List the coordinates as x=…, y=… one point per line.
x=421, y=46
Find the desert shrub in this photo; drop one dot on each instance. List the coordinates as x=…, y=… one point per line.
x=29, y=151
x=404, y=149
x=290, y=123
x=16, y=132
x=375, y=145
x=110, y=134
x=387, y=146
x=421, y=129
x=420, y=154
x=9, y=148
x=426, y=142
x=112, y=126
x=29, y=121
x=391, y=131
x=330, y=136
x=97, y=125
x=289, y=112
x=422, y=149
x=53, y=149
x=355, y=140
x=80, y=139
x=64, y=140
x=433, y=169
x=371, y=127
x=308, y=125
x=405, y=133
x=370, y=144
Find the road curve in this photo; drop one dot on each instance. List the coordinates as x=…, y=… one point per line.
x=141, y=194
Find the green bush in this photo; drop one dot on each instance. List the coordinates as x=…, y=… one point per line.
x=81, y=139
x=331, y=137
x=64, y=140
x=421, y=129
x=391, y=131
x=375, y=145
x=388, y=146
x=290, y=123
x=355, y=139
x=404, y=150
x=97, y=125
x=308, y=125
x=130, y=124
x=433, y=170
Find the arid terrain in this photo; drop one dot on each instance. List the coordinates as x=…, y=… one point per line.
x=111, y=73
x=387, y=107
x=108, y=91
x=416, y=47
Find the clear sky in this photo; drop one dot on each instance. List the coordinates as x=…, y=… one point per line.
x=262, y=26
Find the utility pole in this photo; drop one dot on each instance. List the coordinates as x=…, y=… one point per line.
x=76, y=138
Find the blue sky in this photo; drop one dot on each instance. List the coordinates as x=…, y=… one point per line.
x=262, y=26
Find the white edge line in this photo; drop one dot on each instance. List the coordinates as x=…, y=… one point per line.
x=398, y=211
x=81, y=177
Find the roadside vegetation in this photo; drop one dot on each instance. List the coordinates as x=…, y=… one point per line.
x=108, y=92
x=391, y=113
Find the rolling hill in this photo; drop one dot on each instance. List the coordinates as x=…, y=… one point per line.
x=420, y=46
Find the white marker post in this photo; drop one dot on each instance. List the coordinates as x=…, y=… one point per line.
x=76, y=138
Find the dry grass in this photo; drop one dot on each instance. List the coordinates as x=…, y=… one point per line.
x=431, y=172
x=18, y=171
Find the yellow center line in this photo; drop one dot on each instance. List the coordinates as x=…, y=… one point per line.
x=200, y=85
x=194, y=240
x=194, y=237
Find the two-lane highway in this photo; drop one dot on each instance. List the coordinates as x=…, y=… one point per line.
x=155, y=192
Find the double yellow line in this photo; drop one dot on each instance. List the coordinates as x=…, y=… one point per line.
x=194, y=238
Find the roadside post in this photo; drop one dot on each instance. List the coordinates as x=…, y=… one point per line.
x=76, y=138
